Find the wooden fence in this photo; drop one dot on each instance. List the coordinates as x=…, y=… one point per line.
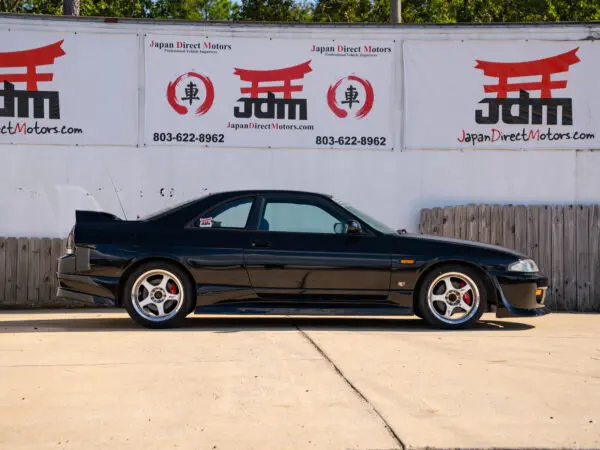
x=28, y=272
x=563, y=240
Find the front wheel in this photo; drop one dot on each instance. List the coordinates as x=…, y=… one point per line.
x=452, y=297
x=158, y=295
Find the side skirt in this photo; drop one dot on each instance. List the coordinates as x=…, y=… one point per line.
x=307, y=311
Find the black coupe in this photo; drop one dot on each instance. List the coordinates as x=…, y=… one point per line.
x=287, y=252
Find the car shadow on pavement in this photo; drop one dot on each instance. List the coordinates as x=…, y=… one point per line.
x=103, y=322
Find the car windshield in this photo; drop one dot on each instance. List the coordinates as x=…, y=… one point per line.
x=374, y=223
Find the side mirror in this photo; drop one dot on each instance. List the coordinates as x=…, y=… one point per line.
x=353, y=227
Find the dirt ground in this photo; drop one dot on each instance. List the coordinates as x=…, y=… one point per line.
x=93, y=379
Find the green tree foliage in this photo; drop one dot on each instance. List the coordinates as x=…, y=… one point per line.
x=499, y=11
x=114, y=8
x=164, y=9
x=428, y=11
x=51, y=7
x=193, y=9
x=380, y=11
x=342, y=11
x=573, y=10
x=274, y=11
x=413, y=11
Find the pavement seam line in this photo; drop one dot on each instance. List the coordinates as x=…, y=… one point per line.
x=386, y=424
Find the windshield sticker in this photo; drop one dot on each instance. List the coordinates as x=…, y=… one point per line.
x=206, y=222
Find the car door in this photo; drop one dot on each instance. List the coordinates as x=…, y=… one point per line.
x=215, y=242
x=297, y=254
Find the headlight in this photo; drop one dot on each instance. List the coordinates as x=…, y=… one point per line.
x=524, y=265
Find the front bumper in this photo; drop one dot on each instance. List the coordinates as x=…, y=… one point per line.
x=87, y=289
x=521, y=294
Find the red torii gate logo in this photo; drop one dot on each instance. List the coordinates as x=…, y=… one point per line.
x=530, y=109
x=29, y=60
x=275, y=107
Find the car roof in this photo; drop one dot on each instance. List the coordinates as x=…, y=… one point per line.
x=269, y=192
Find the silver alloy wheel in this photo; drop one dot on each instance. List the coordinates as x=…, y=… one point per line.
x=157, y=295
x=453, y=298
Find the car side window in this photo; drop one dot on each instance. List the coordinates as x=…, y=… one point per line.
x=233, y=214
x=298, y=217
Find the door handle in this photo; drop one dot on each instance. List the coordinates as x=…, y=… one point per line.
x=261, y=244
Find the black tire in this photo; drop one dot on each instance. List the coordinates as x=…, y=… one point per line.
x=433, y=317
x=174, y=318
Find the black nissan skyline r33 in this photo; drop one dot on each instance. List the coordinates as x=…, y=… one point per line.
x=284, y=253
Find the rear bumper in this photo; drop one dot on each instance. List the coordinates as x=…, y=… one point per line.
x=91, y=290
x=521, y=295
x=84, y=298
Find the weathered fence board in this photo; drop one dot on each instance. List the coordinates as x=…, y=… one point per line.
x=437, y=218
x=558, y=263
x=595, y=256
x=55, y=251
x=473, y=226
x=33, y=272
x=484, y=224
x=521, y=229
x=22, y=266
x=564, y=241
x=45, y=271
x=448, y=222
x=496, y=233
x=460, y=222
x=2, y=269
x=11, y=255
x=570, y=258
x=425, y=224
x=508, y=226
x=545, y=249
x=583, y=259
x=533, y=232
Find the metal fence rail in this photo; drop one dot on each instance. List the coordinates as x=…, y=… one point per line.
x=564, y=240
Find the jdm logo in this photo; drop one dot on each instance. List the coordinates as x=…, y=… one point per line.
x=530, y=109
x=351, y=95
x=19, y=98
x=185, y=90
x=270, y=82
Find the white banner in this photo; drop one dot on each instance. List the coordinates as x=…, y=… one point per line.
x=67, y=88
x=503, y=95
x=250, y=92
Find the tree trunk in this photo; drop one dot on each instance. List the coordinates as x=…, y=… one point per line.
x=71, y=7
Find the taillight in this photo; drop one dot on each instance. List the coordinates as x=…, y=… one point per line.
x=71, y=242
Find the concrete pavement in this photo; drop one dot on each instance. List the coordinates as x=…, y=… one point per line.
x=94, y=379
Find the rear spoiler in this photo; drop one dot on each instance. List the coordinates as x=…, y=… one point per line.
x=94, y=216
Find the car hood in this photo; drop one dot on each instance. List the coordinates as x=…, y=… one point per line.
x=466, y=243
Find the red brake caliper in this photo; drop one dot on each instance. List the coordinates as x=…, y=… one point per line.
x=173, y=289
x=467, y=295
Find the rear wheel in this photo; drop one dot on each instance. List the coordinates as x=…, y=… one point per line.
x=452, y=297
x=158, y=295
